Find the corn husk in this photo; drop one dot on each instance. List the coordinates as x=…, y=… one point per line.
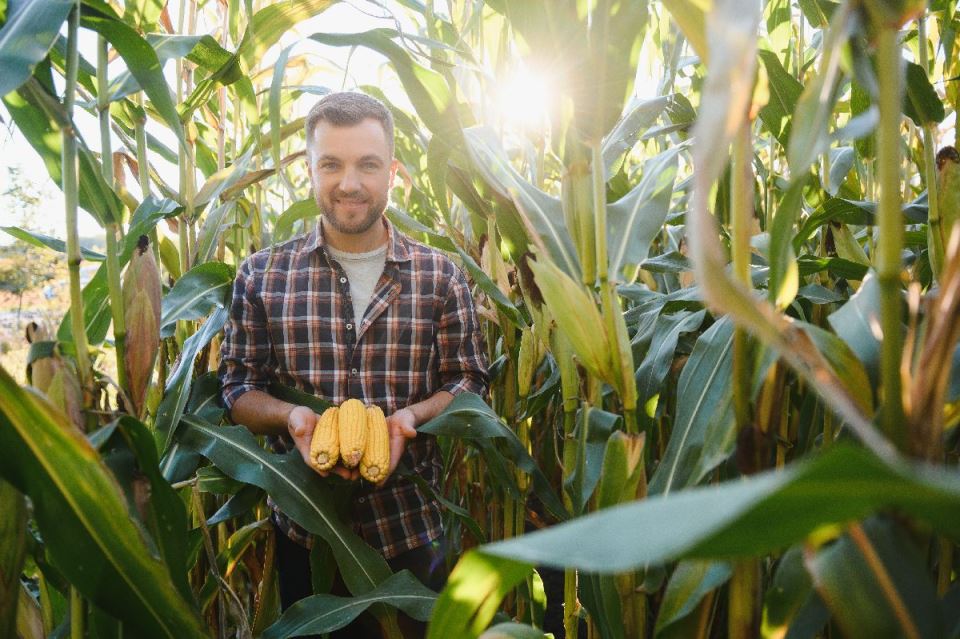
x=141, y=310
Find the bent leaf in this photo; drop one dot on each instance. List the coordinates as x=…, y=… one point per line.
x=744, y=518
x=84, y=519
x=297, y=490
x=26, y=37
x=326, y=613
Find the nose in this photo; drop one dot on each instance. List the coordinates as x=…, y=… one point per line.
x=349, y=181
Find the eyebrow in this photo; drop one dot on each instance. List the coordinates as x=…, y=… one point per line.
x=366, y=158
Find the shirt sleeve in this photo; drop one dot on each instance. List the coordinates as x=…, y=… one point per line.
x=245, y=354
x=462, y=364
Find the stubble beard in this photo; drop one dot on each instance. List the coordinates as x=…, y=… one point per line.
x=374, y=214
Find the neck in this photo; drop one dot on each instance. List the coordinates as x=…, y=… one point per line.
x=371, y=239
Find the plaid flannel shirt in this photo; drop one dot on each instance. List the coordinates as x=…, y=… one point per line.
x=292, y=321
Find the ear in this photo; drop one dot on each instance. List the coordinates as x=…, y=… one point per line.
x=394, y=165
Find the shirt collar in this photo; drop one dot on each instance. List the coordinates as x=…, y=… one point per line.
x=397, y=249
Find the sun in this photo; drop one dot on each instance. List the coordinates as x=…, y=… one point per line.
x=524, y=98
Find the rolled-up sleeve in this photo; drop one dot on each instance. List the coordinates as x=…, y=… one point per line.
x=462, y=364
x=245, y=355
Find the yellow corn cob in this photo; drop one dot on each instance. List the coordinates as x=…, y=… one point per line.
x=325, y=445
x=352, y=422
x=376, y=455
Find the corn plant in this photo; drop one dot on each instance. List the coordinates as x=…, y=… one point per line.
x=719, y=304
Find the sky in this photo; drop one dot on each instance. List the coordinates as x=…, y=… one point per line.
x=365, y=67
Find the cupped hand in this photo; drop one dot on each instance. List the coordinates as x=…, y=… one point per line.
x=401, y=425
x=301, y=423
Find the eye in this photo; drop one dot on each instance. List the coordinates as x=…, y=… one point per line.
x=370, y=166
x=328, y=166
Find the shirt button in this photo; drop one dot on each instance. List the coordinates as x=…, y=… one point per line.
x=362, y=499
x=343, y=280
x=349, y=327
x=353, y=371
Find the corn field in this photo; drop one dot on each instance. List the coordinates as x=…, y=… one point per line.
x=719, y=283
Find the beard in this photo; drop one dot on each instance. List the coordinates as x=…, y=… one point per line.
x=355, y=224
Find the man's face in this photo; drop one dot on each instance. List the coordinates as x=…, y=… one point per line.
x=351, y=172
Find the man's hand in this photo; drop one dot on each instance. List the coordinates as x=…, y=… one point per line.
x=401, y=426
x=301, y=422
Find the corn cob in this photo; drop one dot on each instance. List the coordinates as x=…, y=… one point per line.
x=325, y=445
x=141, y=309
x=376, y=454
x=352, y=423
x=526, y=361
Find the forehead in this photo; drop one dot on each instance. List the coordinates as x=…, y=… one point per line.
x=364, y=138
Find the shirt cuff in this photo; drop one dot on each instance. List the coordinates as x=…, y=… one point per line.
x=232, y=392
x=464, y=385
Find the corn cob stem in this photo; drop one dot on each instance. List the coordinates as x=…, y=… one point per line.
x=77, y=614
x=70, y=196
x=934, y=225
x=112, y=227
x=891, y=232
x=741, y=204
x=945, y=567
x=744, y=586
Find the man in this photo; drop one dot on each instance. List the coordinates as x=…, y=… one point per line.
x=354, y=309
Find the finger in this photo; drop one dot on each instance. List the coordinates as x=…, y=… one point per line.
x=344, y=473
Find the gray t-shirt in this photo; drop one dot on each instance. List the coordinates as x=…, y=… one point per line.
x=363, y=271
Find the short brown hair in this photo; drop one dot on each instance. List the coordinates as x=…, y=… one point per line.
x=348, y=108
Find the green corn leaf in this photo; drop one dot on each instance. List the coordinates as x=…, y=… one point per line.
x=427, y=89
x=858, y=324
x=42, y=240
x=703, y=404
x=578, y=317
x=784, y=276
x=692, y=20
x=196, y=294
x=543, y=213
x=655, y=365
x=295, y=488
x=163, y=514
x=96, y=298
x=843, y=574
x=640, y=116
x=473, y=594
x=85, y=521
x=13, y=547
x=592, y=434
x=177, y=392
x=921, y=102
x=139, y=57
x=271, y=22
x=469, y=417
x=326, y=613
x=634, y=220
x=305, y=210
x=785, y=90
x=690, y=582
x=737, y=519
x=30, y=30
x=40, y=117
